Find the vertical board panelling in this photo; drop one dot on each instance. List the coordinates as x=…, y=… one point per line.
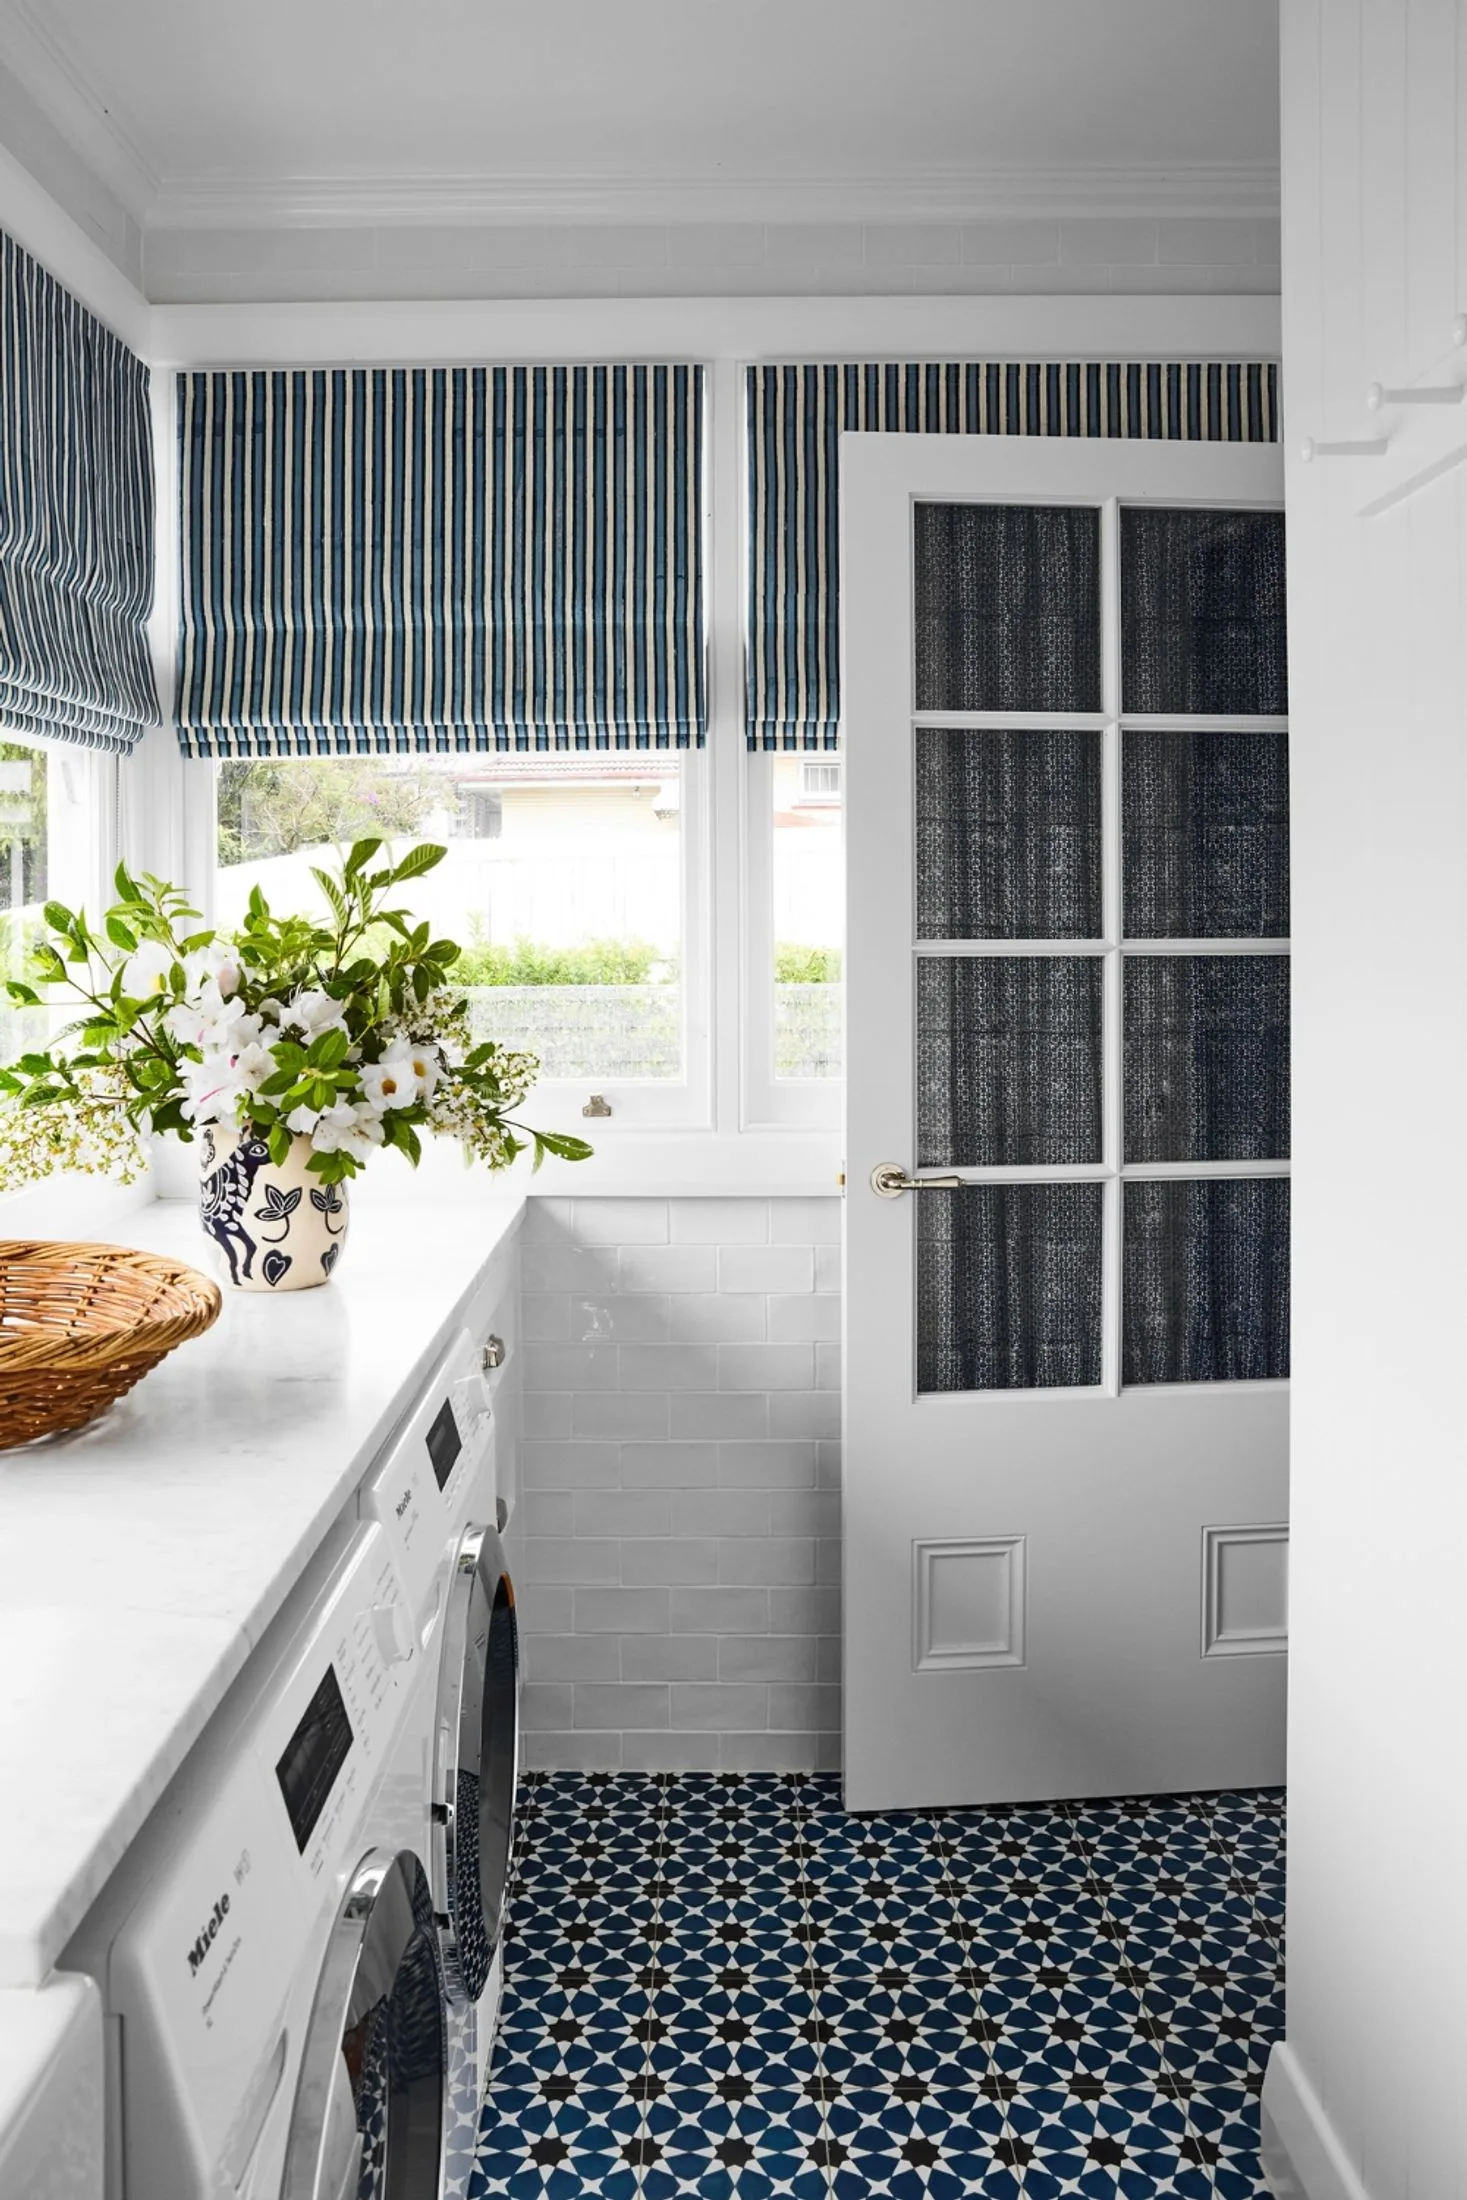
x=680, y=1523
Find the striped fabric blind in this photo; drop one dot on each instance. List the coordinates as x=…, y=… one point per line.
x=434, y=559
x=76, y=518
x=795, y=414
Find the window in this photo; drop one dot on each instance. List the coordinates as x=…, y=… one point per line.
x=56, y=841
x=566, y=883
x=819, y=779
x=796, y=890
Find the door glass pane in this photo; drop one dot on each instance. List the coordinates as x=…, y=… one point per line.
x=1008, y=1287
x=1206, y=1057
x=1206, y=1288
x=1202, y=611
x=1007, y=607
x=1008, y=1060
x=1008, y=835
x=1205, y=818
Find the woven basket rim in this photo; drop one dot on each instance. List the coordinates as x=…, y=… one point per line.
x=188, y=1303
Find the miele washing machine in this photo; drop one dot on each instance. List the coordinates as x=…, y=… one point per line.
x=270, y=1973
x=453, y=1772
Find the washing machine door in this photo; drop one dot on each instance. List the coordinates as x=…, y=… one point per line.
x=368, y=2117
x=477, y=1755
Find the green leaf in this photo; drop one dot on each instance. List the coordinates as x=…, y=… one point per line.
x=126, y=885
x=60, y=918
x=564, y=1145
x=329, y=1050
x=332, y=892
x=121, y=935
x=407, y=1138
x=257, y=906
x=279, y=1144
x=425, y=857
x=362, y=852
x=24, y=996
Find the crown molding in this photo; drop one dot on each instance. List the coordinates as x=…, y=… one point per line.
x=946, y=195
x=93, y=123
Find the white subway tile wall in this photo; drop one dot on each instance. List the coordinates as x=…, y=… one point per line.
x=716, y=259
x=677, y=1545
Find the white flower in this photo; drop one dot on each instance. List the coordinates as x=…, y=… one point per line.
x=343, y=1128
x=147, y=970
x=311, y=1012
x=303, y=1120
x=210, y=1022
x=390, y=1083
x=216, y=963
x=426, y=1067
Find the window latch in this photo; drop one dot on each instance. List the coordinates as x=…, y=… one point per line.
x=596, y=1105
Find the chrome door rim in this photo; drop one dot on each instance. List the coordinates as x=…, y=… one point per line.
x=477, y=1760
x=379, y=2001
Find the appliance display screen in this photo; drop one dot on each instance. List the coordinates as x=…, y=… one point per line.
x=313, y=1756
x=444, y=1442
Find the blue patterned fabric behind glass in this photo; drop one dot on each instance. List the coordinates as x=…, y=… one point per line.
x=1206, y=1057
x=1205, y=825
x=1007, y=610
x=1008, y=1060
x=1008, y=835
x=1008, y=1287
x=1206, y=1285
x=1202, y=612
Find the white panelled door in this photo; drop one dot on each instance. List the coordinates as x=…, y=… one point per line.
x=1067, y=986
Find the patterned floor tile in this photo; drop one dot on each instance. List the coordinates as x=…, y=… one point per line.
x=1128, y=2140
x=729, y=1987
x=882, y=2141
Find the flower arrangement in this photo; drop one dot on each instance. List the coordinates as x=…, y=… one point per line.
x=347, y=1034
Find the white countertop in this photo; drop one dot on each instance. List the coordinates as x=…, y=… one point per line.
x=143, y=1557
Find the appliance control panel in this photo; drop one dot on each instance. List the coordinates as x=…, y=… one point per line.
x=420, y=1490
x=202, y=1967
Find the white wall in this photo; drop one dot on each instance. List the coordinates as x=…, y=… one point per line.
x=1368, y=2093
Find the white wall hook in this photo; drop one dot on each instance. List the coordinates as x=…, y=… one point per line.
x=1363, y=447
x=1437, y=393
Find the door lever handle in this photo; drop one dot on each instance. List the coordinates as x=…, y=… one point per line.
x=889, y=1180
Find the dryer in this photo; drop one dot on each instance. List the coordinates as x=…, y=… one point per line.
x=270, y=1972
x=451, y=1785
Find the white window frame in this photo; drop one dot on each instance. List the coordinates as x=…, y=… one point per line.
x=81, y=819
x=771, y=1102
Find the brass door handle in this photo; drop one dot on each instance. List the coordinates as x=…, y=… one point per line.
x=889, y=1180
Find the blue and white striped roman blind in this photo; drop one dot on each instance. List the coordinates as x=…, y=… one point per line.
x=76, y=518
x=441, y=558
x=795, y=415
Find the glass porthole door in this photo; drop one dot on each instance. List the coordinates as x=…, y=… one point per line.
x=1068, y=1062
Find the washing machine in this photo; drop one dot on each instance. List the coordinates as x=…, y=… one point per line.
x=51, y=2091
x=268, y=1956
x=451, y=1784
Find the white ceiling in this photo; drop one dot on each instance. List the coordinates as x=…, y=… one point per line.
x=208, y=110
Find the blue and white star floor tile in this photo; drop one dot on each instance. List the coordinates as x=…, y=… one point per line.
x=729, y=1987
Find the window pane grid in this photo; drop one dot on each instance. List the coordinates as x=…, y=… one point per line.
x=1237, y=1279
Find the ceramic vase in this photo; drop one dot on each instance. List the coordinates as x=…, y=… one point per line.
x=275, y=1228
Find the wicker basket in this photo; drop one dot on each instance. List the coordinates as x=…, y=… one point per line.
x=80, y=1324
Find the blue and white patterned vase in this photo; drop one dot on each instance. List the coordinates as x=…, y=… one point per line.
x=273, y=1228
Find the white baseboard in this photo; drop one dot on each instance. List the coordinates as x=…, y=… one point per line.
x=1302, y=2155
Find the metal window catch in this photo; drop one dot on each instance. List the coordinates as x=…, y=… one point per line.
x=596, y=1105
x=889, y=1180
x=1434, y=393
x=493, y=1354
